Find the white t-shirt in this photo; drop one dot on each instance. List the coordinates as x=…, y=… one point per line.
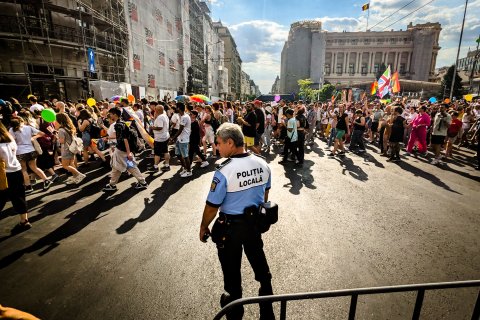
x=161, y=122
x=111, y=132
x=139, y=113
x=229, y=114
x=175, y=121
x=8, y=154
x=185, y=121
x=37, y=107
x=23, y=138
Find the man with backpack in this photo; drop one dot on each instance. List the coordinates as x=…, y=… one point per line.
x=123, y=157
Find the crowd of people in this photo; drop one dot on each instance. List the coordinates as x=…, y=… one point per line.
x=114, y=133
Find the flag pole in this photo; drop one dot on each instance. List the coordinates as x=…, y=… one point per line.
x=368, y=14
x=458, y=52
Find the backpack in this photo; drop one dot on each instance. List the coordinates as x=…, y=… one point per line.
x=132, y=138
x=94, y=129
x=76, y=146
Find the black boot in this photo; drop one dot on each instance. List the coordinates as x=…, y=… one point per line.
x=234, y=313
x=266, y=309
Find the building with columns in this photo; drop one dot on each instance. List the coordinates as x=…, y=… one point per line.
x=349, y=58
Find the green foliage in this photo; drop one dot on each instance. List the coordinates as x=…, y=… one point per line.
x=308, y=93
x=326, y=92
x=447, y=84
x=306, y=90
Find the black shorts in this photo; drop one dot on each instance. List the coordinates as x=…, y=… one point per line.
x=160, y=148
x=437, y=139
x=374, y=126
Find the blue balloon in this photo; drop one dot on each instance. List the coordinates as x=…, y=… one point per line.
x=432, y=99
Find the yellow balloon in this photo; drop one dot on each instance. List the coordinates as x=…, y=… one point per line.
x=91, y=102
x=30, y=95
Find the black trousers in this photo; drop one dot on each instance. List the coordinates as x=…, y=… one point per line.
x=15, y=192
x=289, y=147
x=235, y=236
x=301, y=146
x=195, y=149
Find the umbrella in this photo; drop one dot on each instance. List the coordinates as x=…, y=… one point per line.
x=199, y=98
x=115, y=98
x=182, y=98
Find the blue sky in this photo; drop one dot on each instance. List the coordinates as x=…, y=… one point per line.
x=260, y=27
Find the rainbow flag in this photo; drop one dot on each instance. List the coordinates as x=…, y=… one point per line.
x=395, y=83
x=373, y=88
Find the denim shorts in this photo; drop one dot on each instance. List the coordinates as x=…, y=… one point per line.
x=181, y=149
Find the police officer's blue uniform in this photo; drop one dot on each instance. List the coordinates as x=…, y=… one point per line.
x=240, y=182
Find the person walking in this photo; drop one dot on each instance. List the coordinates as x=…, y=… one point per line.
x=161, y=137
x=122, y=158
x=182, y=139
x=26, y=154
x=11, y=174
x=243, y=181
x=419, y=132
x=66, y=132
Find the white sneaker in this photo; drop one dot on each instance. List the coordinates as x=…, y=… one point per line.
x=186, y=174
x=70, y=180
x=79, y=178
x=204, y=164
x=183, y=171
x=435, y=161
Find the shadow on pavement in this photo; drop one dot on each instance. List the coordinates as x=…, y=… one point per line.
x=299, y=176
x=355, y=171
x=159, y=196
x=77, y=221
x=425, y=175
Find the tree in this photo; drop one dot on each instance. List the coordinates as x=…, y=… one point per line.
x=305, y=88
x=326, y=92
x=447, y=84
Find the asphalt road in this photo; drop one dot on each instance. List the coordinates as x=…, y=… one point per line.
x=357, y=222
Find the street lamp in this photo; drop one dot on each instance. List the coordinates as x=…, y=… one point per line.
x=458, y=51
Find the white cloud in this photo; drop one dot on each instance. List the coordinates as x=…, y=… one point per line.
x=260, y=42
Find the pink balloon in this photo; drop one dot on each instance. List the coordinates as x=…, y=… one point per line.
x=277, y=98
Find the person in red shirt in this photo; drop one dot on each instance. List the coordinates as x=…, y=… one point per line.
x=452, y=133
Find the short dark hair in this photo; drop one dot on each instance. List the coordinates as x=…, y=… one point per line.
x=180, y=106
x=194, y=112
x=289, y=111
x=116, y=111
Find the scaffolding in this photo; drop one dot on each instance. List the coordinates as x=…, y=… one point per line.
x=52, y=38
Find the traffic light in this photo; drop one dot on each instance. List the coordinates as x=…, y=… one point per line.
x=85, y=84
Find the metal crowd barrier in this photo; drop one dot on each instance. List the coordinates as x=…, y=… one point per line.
x=354, y=293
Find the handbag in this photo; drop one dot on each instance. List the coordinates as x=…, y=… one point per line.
x=3, y=176
x=37, y=146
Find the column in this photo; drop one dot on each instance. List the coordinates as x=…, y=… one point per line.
x=333, y=68
x=407, y=67
x=359, y=61
x=395, y=62
x=345, y=59
x=371, y=59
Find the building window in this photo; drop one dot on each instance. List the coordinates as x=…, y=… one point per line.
x=402, y=68
x=364, y=69
x=327, y=69
x=375, y=68
x=339, y=68
x=366, y=41
x=351, y=69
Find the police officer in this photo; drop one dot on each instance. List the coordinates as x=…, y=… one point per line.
x=242, y=181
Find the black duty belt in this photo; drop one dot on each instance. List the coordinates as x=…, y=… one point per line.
x=232, y=217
